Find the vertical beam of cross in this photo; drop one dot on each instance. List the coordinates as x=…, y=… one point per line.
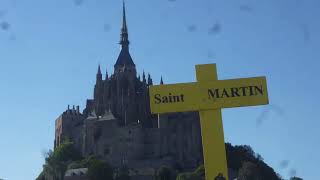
x=215, y=161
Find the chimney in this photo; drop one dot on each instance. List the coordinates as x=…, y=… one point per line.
x=78, y=110
x=68, y=110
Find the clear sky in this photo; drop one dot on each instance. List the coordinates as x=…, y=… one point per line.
x=50, y=50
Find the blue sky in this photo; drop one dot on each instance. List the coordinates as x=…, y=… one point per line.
x=50, y=50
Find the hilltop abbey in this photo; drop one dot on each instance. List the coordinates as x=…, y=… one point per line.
x=117, y=126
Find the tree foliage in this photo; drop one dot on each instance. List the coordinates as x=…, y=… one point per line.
x=249, y=171
x=99, y=170
x=200, y=171
x=66, y=152
x=238, y=155
x=189, y=176
x=241, y=159
x=56, y=161
x=83, y=163
x=165, y=173
x=296, y=178
x=198, y=174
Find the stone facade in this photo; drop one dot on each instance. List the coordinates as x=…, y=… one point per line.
x=117, y=125
x=68, y=125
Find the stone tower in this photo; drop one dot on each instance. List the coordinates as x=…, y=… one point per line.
x=68, y=125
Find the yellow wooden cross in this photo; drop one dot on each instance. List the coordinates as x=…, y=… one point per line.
x=208, y=96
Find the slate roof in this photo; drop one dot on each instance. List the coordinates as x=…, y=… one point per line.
x=124, y=58
x=107, y=116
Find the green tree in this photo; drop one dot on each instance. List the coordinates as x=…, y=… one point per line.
x=198, y=174
x=249, y=171
x=83, y=163
x=165, y=173
x=237, y=155
x=296, y=178
x=182, y=176
x=189, y=176
x=200, y=171
x=66, y=152
x=99, y=170
x=40, y=177
x=54, y=167
x=56, y=161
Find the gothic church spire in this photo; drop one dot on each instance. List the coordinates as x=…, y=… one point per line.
x=107, y=76
x=124, y=59
x=99, y=69
x=124, y=41
x=99, y=75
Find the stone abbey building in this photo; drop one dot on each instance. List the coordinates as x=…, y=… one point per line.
x=117, y=126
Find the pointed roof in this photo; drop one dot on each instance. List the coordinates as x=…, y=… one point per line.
x=99, y=69
x=124, y=56
x=92, y=115
x=143, y=77
x=107, y=76
x=108, y=115
x=161, y=81
x=149, y=79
